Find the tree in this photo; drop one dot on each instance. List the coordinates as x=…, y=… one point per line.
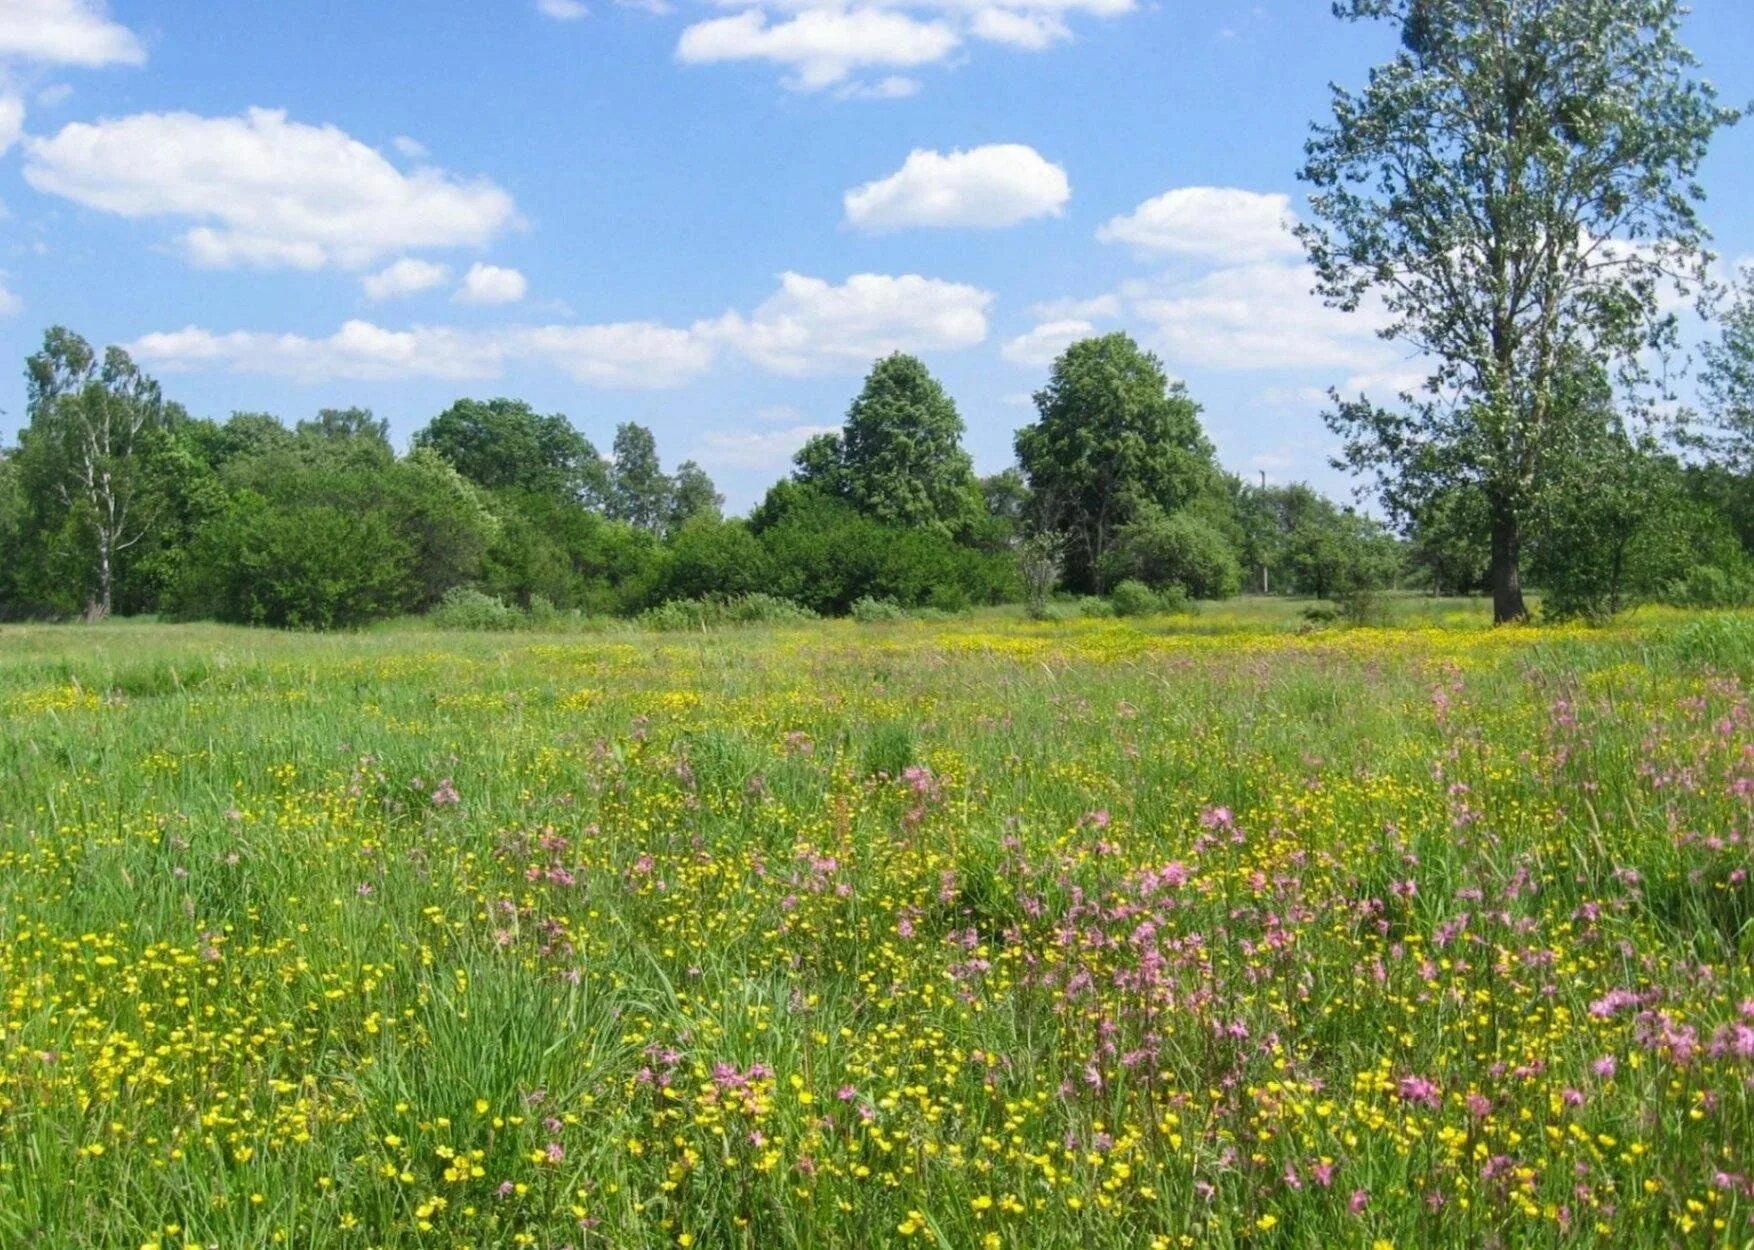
x=345, y=424
x=1515, y=186
x=1162, y=550
x=1728, y=382
x=1112, y=433
x=901, y=455
x=91, y=423
x=505, y=444
x=692, y=495
x=639, y=493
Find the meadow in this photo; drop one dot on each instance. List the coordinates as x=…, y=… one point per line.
x=984, y=933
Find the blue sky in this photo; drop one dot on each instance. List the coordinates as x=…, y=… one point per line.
x=703, y=216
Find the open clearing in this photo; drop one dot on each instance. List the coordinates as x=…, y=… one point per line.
x=976, y=933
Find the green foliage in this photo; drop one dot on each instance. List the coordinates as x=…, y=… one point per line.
x=1160, y=550
x=465, y=608
x=640, y=494
x=870, y=611
x=505, y=444
x=1488, y=184
x=825, y=554
x=1133, y=598
x=309, y=566
x=1113, y=435
x=902, y=461
x=709, y=557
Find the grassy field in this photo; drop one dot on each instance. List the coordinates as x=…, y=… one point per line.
x=971, y=934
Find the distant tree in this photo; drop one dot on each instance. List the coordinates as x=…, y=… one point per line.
x=1112, y=434
x=818, y=464
x=639, y=492
x=1450, y=540
x=84, y=456
x=692, y=495
x=1728, y=382
x=1333, y=552
x=505, y=444
x=1514, y=185
x=901, y=453
x=346, y=424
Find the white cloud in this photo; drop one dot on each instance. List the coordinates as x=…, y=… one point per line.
x=66, y=32
x=1042, y=344
x=894, y=87
x=1029, y=31
x=1215, y=223
x=820, y=47
x=562, y=10
x=627, y=355
x=55, y=93
x=998, y=185
x=767, y=450
x=404, y=277
x=279, y=193
x=809, y=326
x=1261, y=316
x=11, y=121
x=490, y=284
x=10, y=304
x=631, y=355
x=410, y=147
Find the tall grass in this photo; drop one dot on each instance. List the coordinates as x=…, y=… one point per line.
x=1159, y=932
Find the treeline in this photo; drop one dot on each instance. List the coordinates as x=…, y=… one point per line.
x=118, y=500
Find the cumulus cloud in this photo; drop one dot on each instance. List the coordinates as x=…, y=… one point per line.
x=822, y=42
x=66, y=32
x=404, y=277
x=1029, y=31
x=629, y=355
x=820, y=47
x=11, y=121
x=268, y=191
x=987, y=187
x=810, y=326
x=1046, y=341
x=490, y=284
x=807, y=326
x=1213, y=223
x=767, y=450
x=1261, y=316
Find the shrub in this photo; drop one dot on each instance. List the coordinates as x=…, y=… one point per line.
x=1134, y=598
x=868, y=610
x=465, y=608
x=303, y=567
x=1163, y=549
x=751, y=609
x=1709, y=586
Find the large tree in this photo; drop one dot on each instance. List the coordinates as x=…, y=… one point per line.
x=1113, y=434
x=1516, y=187
x=505, y=443
x=93, y=421
x=639, y=492
x=901, y=455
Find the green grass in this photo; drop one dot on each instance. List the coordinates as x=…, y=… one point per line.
x=1205, y=931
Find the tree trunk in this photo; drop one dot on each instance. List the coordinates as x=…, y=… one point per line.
x=1507, y=578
